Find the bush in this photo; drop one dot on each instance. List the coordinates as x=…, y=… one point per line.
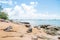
x=3, y=15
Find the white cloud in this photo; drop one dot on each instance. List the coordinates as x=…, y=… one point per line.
x=6, y=2
x=24, y=11
x=33, y=3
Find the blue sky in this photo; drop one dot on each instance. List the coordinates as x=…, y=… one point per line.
x=32, y=9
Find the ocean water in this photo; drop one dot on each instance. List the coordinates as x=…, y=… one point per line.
x=41, y=21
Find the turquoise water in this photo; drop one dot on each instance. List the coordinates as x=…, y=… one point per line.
x=40, y=21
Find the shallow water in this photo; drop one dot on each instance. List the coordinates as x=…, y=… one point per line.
x=40, y=21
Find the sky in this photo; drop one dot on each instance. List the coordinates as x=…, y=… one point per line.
x=31, y=9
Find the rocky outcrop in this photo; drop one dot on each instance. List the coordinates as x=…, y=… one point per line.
x=49, y=29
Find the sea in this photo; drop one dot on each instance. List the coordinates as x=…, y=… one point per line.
x=36, y=22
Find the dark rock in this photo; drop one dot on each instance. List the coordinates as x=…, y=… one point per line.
x=56, y=29
x=53, y=28
x=8, y=29
x=58, y=38
x=29, y=30
x=44, y=26
x=11, y=20
x=51, y=32
x=28, y=25
x=25, y=22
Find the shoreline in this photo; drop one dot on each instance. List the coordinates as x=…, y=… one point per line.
x=36, y=22
x=22, y=31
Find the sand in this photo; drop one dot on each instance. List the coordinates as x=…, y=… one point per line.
x=19, y=32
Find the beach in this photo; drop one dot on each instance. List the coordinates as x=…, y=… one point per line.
x=29, y=19
x=22, y=31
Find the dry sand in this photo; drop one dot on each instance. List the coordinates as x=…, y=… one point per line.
x=19, y=32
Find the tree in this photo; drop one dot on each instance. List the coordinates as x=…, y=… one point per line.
x=3, y=15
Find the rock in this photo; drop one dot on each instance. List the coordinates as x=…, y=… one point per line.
x=29, y=30
x=8, y=29
x=44, y=26
x=2, y=20
x=56, y=29
x=28, y=25
x=58, y=38
x=53, y=27
x=25, y=22
x=11, y=20
x=51, y=32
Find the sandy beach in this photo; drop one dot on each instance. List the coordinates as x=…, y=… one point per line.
x=21, y=32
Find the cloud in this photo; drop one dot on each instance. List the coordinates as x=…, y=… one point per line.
x=25, y=11
x=9, y=2
x=33, y=3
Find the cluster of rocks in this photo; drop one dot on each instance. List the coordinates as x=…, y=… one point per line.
x=51, y=30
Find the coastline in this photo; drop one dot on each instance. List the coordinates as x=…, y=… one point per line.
x=34, y=22
x=21, y=31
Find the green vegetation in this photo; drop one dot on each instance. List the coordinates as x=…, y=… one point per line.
x=3, y=15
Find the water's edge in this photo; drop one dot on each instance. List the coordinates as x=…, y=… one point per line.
x=40, y=21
